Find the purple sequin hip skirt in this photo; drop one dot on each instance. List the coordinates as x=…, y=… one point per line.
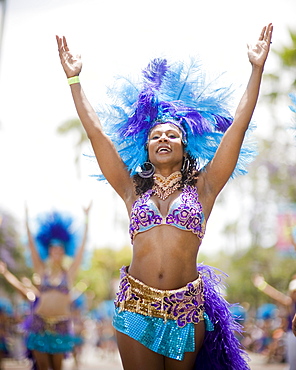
x=50, y=335
x=162, y=320
x=164, y=323
x=185, y=305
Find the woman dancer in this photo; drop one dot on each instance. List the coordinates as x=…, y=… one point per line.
x=289, y=302
x=169, y=147
x=49, y=336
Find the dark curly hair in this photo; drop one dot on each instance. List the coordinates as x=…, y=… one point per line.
x=189, y=177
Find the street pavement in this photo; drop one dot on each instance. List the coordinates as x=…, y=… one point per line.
x=95, y=359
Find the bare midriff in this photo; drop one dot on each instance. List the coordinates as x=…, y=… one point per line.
x=53, y=303
x=165, y=257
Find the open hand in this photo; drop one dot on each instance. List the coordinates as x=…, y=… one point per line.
x=258, y=280
x=71, y=63
x=87, y=209
x=258, y=53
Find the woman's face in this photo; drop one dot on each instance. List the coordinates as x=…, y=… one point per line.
x=56, y=253
x=165, y=145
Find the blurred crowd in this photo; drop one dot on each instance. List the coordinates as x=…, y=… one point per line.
x=264, y=331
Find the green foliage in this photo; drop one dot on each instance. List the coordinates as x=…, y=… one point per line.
x=73, y=125
x=104, y=271
x=241, y=268
x=286, y=56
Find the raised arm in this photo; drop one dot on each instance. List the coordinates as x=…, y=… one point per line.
x=79, y=255
x=28, y=293
x=221, y=167
x=107, y=156
x=36, y=260
x=269, y=290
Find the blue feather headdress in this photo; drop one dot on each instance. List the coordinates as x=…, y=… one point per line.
x=293, y=99
x=176, y=93
x=55, y=228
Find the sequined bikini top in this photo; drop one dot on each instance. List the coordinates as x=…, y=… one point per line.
x=185, y=213
x=61, y=287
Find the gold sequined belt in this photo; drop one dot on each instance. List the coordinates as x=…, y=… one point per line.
x=53, y=324
x=185, y=304
x=52, y=320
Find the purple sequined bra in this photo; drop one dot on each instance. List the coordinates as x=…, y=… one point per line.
x=185, y=213
x=61, y=287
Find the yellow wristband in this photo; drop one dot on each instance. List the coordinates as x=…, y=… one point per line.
x=73, y=80
x=262, y=285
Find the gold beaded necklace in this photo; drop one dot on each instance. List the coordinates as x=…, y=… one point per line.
x=165, y=186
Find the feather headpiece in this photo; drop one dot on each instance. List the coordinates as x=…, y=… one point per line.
x=293, y=99
x=55, y=228
x=176, y=93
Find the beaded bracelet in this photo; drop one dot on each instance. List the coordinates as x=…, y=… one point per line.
x=73, y=80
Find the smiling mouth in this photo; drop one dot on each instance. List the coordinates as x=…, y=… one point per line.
x=164, y=150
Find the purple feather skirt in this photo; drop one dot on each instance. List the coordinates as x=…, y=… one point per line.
x=221, y=349
x=169, y=329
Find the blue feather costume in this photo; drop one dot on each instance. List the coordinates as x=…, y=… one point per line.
x=293, y=99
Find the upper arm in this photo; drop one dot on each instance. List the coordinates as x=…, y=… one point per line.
x=37, y=262
x=111, y=164
x=221, y=167
x=109, y=160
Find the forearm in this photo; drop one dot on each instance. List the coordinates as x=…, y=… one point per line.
x=249, y=99
x=85, y=111
x=79, y=255
x=274, y=293
x=81, y=250
x=13, y=280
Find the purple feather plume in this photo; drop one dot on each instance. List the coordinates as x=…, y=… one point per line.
x=222, y=123
x=155, y=72
x=221, y=349
x=146, y=111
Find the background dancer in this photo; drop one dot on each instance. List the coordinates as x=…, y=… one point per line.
x=49, y=336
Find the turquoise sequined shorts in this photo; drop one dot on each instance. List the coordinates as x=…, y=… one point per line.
x=50, y=335
x=162, y=320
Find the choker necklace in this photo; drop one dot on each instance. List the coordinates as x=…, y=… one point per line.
x=165, y=186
